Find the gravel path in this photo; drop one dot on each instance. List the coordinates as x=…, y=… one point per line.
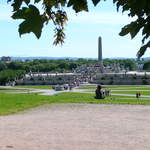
x=77, y=127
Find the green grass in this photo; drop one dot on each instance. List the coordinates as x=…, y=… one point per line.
x=120, y=86
x=87, y=87
x=12, y=103
x=12, y=90
x=131, y=88
x=35, y=86
x=7, y=89
x=132, y=92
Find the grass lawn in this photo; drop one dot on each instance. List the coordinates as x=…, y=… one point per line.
x=35, y=86
x=120, y=86
x=12, y=90
x=12, y=103
x=132, y=92
x=130, y=88
x=87, y=87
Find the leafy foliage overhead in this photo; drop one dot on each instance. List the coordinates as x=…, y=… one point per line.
x=53, y=10
x=33, y=20
x=141, y=10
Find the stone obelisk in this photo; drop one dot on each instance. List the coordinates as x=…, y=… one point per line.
x=100, y=51
x=100, y=59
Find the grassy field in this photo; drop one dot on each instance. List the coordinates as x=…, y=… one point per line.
x=36, y=86
x=132, y=88
x=12, y=103
x=132, y=92
x=87, y=87
x=125, y=86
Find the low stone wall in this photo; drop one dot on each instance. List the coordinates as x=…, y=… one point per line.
x=46, y=82
x=122, y=82
x=109, y=79
x=122, y=78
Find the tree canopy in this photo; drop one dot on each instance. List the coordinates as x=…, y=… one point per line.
x=34, y=18
x=62, y=65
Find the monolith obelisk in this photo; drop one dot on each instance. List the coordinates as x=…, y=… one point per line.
x=100, y=51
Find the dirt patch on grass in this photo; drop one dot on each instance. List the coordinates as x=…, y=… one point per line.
x=77, y=127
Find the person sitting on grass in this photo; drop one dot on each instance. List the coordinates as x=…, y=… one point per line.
x=99, y=93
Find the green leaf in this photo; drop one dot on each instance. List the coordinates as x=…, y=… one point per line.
x=143, y=49
x=78, y=5
x=124, y=31
x=52, y=3
x=27, y=27
x=17, y=4
x=95, y=2
x=132, y=28
x=27, y=1
x=59, y=36
x=20, y=14
x=63, y=2
x=33, y=21
x=37, y=1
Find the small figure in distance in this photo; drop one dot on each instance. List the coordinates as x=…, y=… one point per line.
x=99, y=92
x=137, y=95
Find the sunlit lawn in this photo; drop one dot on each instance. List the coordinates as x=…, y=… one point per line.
x=36, y=86
x=128, y=89
x=12, y=90
x=12, y=103
x=87, y=87
x=132, y=92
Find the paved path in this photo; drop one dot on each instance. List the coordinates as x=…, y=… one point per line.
x=52, y=92
x=77, y=127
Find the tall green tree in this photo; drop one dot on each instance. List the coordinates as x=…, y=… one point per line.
x=34, y=19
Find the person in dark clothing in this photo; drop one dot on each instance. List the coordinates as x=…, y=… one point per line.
x=99, y=92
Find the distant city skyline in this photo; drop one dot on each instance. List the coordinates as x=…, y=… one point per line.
x=82, y=34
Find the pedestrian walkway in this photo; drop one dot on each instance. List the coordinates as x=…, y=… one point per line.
x=76, y=90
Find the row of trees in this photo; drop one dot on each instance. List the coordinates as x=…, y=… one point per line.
x=61, y=65
x=8, y=76
x=10, y=71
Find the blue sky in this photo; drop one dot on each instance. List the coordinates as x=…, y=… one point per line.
x=82, y=32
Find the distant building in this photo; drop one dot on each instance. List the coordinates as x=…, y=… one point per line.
x=5, y=58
